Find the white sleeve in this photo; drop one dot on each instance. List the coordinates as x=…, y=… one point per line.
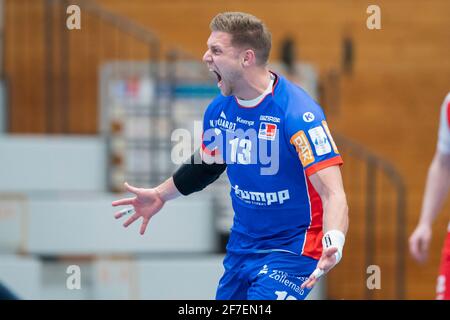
x=443, y=144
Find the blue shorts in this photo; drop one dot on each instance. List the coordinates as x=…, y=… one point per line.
x=265, y=276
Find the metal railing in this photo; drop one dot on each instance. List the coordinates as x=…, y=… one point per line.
x=383, y=206
x=375, y=188
x=57, y=49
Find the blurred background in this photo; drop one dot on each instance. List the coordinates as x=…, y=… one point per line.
x=83, y=110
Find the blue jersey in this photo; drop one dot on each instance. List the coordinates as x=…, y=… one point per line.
x=270, y=150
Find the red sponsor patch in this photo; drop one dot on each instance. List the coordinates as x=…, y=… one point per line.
x=267, y=131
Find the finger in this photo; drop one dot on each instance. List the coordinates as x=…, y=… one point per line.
x=131, y=220
x=422, y=251
x=413, y=248
x=311, y=283
x=418, y=250
x=305, y=283
x=124, y=212
x=411, y=244
x=423, y=246
x=308, y=282
x=144, y=225
x=317, y=273
x=122, y=202
x=131, y=188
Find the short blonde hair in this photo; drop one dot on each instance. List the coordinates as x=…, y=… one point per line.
x=246, y=31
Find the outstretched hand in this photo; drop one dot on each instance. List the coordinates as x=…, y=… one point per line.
x=419, y=242
x=146, y=204
x=326, y=262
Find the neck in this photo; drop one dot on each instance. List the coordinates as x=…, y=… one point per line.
x=254, y=83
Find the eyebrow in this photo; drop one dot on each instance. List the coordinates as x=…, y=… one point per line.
x=213, y=46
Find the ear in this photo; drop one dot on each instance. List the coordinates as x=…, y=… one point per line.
x=248, y=58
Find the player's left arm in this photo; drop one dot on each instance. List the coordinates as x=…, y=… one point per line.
x=328, y=184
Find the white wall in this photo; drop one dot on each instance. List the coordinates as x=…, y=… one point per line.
x=40, y=163
x=62, y=224
x=22, y=275
x=85, y=225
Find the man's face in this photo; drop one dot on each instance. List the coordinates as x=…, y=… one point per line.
x=224, y=60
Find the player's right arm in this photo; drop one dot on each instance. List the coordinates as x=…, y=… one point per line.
x=194, y=175
x=436, y=188
x=200, y=170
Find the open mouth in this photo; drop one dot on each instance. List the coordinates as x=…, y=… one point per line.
x=218, y=77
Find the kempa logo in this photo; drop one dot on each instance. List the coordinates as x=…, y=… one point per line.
x=269, y=118
x=308, y=117
x=261, y=198
x=243, y=121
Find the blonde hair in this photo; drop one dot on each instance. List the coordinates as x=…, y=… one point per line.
x=246, y=31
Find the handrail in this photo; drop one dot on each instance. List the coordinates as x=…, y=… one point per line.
x=129, y=26
x=375, y=162
x=121, y=22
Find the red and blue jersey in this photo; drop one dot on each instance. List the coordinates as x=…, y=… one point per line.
x=270, y=150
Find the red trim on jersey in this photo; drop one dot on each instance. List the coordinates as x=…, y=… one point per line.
x=324, y=164
x=448, y=114
x=443, y=285
x=276, y=81
x=206, y=150
x=313, y=237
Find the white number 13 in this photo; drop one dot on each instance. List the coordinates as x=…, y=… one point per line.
x=243, y=157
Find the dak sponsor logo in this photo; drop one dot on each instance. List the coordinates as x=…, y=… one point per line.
x=301, y=144
x=267, y=131
x=320, y=140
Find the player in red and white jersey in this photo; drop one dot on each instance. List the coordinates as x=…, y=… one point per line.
x=436, y=189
